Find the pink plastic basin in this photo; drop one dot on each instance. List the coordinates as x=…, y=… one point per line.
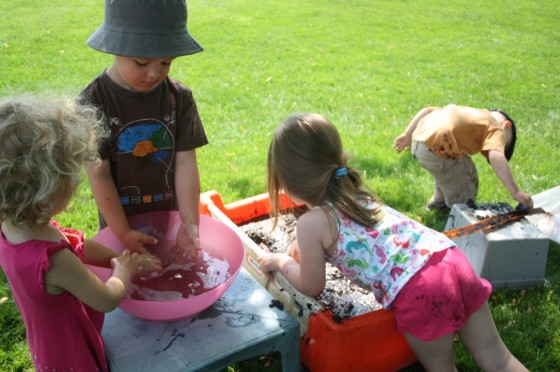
x=215, y=238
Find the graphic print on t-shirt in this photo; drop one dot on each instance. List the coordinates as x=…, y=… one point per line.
x=150, y=139
x=148, y=147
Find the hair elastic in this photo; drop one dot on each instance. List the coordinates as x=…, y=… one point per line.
x=340, y=172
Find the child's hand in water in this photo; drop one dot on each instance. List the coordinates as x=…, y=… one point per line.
x=137, y=264
x=147, y=264
x=136, y=241
x=188, y=243
x=174, y=254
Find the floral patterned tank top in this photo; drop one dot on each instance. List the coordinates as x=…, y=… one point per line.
x=384, y=258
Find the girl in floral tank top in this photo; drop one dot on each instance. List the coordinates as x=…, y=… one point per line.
x=394, y=250
x=411, y=269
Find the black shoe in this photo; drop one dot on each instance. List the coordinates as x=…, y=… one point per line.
x=437, y=205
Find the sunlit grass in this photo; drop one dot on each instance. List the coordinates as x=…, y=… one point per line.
x=369, y=66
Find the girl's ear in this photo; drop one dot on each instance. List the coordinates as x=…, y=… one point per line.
x=506, y=124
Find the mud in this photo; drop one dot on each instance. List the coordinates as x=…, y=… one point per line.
x=340, y=296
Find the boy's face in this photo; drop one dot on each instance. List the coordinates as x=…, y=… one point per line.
x=139, y=74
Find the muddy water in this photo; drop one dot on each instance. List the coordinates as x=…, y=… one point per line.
x=177, y=281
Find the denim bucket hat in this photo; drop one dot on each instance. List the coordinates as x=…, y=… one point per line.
x=144, y=28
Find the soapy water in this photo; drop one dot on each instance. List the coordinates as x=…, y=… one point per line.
x=177, y=281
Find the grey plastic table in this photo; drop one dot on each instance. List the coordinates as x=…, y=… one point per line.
x=241, y=325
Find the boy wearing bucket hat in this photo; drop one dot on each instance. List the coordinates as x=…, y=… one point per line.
x=149, y=162
x=442, y=139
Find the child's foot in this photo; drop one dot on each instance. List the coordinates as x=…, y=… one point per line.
x=438, y=205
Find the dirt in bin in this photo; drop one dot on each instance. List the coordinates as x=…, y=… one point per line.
x=343, y=298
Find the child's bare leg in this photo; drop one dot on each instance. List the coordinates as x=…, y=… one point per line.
x=435, y=355
x=480, y=335
x=438, y=195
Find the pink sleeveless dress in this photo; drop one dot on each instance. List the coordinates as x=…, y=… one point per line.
x=63, y=333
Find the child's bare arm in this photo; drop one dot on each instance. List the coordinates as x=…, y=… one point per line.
x=187, y=187
x=404, y=140
x=293, y=251
x=97, y=254
x=502, y=169
x=108, y=202
x=68, y=273
x=307, y=275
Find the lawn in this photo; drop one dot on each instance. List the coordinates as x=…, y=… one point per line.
x=368, y=66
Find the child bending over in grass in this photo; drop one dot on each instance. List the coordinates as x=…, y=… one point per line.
x=43, y=145
x=414, y=270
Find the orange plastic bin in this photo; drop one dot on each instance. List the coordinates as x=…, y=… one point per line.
x=368, y=342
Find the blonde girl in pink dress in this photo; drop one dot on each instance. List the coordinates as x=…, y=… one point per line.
x=43, y=146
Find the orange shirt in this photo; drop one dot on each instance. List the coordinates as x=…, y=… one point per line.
x=453, y=131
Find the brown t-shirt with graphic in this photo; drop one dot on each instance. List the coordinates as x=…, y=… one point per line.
x=146, y=130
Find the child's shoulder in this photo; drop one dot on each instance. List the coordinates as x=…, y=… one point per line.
x=392, y=216
x=94, y=87
x=178, y=86
x=313, y=217
x=98, y=79
x=47, y=233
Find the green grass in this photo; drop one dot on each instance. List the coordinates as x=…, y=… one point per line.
x=369, y=66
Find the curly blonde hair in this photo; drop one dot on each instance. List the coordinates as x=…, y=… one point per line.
x=43, y=145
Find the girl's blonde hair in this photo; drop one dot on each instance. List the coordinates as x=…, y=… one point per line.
x=43, y=145
x=304, y=155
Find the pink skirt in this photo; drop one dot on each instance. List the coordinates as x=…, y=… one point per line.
x=440, y=297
